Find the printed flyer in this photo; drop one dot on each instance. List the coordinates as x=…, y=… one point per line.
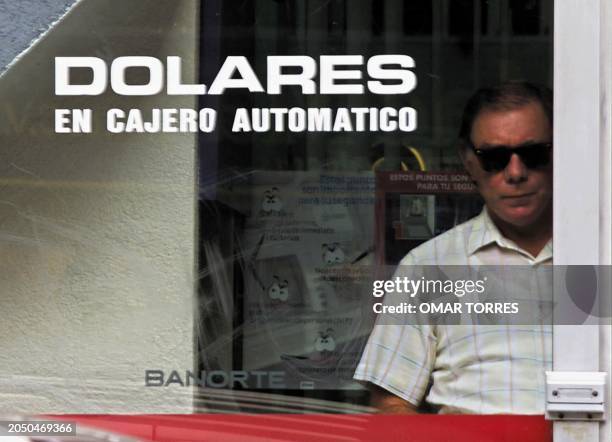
x=305, y=220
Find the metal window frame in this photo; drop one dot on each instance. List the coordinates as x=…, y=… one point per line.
x=582, y=221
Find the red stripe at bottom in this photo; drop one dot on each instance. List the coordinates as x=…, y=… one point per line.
x=321, y=428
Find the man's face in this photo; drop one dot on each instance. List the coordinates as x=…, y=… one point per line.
x=517, y=196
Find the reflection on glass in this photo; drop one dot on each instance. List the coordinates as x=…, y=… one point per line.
x=289, y=219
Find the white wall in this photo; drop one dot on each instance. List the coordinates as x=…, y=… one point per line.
x=606, y=198
x=582, y=174
x=96, y=230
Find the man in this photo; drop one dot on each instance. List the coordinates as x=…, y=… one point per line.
x=506, y=147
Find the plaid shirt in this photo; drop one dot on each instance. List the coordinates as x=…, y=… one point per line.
x=470, y=368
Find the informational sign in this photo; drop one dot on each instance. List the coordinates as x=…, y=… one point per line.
x=307, y=241
x=415, y=206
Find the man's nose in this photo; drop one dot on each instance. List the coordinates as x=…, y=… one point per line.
x=515, y=171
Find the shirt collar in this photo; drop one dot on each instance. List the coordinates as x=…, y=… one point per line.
x=485, y=232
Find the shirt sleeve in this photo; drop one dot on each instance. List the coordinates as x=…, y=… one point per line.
x=399, y=357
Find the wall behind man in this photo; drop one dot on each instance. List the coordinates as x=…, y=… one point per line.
x=96, y=230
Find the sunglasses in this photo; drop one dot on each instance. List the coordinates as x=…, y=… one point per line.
x=532, y=155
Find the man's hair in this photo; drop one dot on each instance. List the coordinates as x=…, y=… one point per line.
x=507, y=96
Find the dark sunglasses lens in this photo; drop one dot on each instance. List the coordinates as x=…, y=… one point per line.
x=495, y=159
x=535, y=156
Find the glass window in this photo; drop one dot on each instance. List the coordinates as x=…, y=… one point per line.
x=302, y=185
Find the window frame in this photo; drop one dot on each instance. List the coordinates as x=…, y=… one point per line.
x=582, y=221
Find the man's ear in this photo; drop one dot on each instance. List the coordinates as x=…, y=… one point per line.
x=468, y=159
x=463, y=155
